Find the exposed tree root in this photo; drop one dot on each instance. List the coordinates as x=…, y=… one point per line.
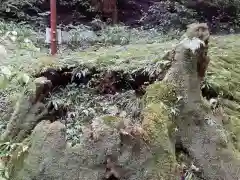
x=105, y=82
x=111, y=82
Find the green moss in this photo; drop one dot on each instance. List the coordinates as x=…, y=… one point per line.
x=17, y=159
x=158, y=99
x=156, y=124
x=161, y=92
x=111, y=120
x=159, y=127
x=156, y=121
x=224, y=70
x=234, y=129
x=165, y=165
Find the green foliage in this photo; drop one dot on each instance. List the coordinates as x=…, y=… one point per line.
x=14, y=84
x=6, y=75
x=17, y=7
x=15, y=79
x=175, y=15
x=7, y=149
x=164, y=15
x=84, y=37
x=226, y=3
x=27, y=9
x=22, y=33
x=83, y=3
x=116, y=35
x=168, y=16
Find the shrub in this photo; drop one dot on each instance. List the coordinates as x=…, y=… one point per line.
x=168, y=15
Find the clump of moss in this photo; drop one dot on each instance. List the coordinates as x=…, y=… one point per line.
x=234, y=130
x=158, y=125
x=155, y=123
x=161, y=92
x=159, y=99
x=111, y=120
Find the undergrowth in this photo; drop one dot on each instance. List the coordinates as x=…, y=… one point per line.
x=27, y=55
x=143, y=47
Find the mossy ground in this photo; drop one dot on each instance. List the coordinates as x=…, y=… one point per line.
x=223, y=71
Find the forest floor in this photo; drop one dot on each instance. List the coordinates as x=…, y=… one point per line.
x=143, y=49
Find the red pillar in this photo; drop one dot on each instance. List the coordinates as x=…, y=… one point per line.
x=53, y=26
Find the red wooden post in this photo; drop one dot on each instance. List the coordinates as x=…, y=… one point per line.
x=53, y=26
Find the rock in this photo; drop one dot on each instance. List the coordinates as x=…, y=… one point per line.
x=47, y=149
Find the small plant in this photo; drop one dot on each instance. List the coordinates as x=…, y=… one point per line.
x=115, y=35
x=6, y=148
x=6, y=151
